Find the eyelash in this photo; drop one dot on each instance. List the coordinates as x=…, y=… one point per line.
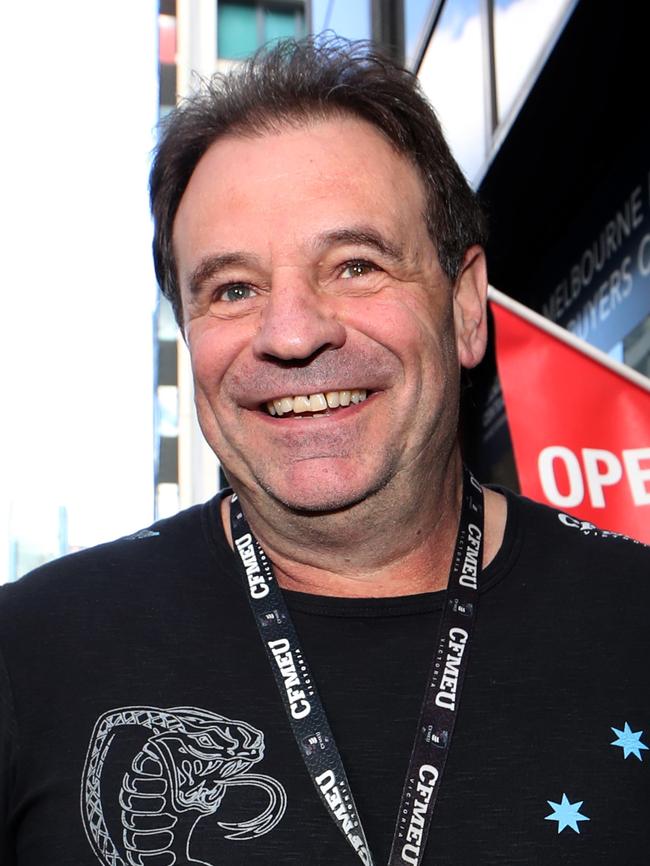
x=369, y=266
x=223, y=291
x=353, y=263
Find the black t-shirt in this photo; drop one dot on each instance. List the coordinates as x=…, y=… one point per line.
x=140, y=723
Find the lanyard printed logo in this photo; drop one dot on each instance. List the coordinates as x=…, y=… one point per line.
x=439, y=710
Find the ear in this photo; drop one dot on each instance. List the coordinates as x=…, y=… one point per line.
x=470, y=298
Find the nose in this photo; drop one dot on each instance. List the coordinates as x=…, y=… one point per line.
x=297, y=322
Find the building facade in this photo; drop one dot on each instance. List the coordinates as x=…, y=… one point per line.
x=543, y=102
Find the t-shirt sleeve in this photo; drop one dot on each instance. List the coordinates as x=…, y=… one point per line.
x=7, y=764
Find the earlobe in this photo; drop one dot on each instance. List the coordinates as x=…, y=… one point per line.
x=470, y=299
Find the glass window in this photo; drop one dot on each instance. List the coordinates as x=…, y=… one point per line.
x=237, y=30
x=243, y=27
x=167, y=84
x=522, y=28
x=281, y=24
x=167, y=411
x=349, y=18
x=167, y=39
x=167, y=500
x=168, y=460
x=451, y=75
x=166, y=323
x=416, y=16
x=636, y=347
x=616, y=352
x=167, y=367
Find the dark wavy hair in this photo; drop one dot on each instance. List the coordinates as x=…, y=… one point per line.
x=293, y=83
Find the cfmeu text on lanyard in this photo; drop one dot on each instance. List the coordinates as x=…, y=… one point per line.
x=441, y=697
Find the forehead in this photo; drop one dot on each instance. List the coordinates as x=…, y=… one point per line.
x=299, y=180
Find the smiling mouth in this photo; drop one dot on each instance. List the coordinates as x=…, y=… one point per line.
x=312, y=405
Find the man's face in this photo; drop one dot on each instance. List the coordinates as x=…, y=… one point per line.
x=307, y=271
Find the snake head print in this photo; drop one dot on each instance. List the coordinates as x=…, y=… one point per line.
x=176, y=777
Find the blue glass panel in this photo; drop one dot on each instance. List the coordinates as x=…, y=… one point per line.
x=349, y=18
x=281, y=24
x=236, y=30
x=416, y=16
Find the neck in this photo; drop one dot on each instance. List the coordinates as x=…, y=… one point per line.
x=385, y=546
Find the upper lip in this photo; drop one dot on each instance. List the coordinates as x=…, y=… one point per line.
x=302, y=393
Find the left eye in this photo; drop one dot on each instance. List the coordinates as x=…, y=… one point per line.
x=236, y=292
x=357, y=269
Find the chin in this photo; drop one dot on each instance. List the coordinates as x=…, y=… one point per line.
x=318, y=504
x=323, y=498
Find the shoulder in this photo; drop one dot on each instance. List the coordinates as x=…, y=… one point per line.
x=548, y=537
x=101, y=573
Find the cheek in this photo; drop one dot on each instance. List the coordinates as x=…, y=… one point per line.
x=213, y=349
x=411, y=327
x=378, y=317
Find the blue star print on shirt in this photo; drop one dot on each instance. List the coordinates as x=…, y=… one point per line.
x=566, y=814
x=629, y=741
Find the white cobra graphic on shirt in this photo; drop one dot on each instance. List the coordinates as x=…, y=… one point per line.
x=178, y=777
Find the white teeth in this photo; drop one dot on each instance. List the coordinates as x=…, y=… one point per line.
x=301, y=404
x=315, y=402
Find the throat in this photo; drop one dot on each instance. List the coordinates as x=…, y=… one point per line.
x=377, y=549
x=335, y=585
x=387, y=565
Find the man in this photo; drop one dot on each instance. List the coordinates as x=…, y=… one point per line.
x=300, y=670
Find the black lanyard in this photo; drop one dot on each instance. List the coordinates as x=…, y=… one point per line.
x=441, y=697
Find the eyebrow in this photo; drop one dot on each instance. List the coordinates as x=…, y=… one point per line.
x=211, y=265
x=361, y=236
x=365, y=236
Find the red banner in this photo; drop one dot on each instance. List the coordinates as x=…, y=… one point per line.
x=580, y=430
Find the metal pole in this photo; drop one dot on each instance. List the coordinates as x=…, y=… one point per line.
x=489, y=71
x=388, y=27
